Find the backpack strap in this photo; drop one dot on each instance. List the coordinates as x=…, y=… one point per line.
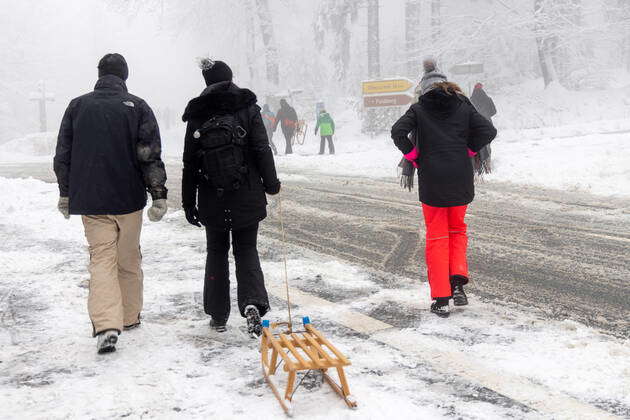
x=240, y=132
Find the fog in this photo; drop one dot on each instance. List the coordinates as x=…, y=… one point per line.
x=321, y=46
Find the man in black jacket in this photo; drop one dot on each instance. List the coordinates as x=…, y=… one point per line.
x=485, y=106
x=237, y=210
x=483, y=103
x=107, y=157
x=288, y=120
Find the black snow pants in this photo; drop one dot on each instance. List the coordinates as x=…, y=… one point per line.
x=249, y=276
x=288, y=135
x=322, y=145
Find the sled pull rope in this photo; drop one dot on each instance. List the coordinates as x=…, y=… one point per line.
x=284, y=257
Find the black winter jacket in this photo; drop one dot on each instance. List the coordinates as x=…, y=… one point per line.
x=247, y=205
x=483, y=103
x=108, y=152
x=446, y=125
x=287, y=118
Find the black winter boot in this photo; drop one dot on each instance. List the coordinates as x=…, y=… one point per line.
x=440, y=307
x=254, y=325
x=457, y=287
x=218, y=326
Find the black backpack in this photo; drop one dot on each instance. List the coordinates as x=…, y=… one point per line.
x=222, y=144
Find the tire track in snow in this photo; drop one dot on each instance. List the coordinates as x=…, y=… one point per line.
x=563, y=253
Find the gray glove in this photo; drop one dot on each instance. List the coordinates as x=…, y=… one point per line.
x=64, y=206
x=157, y=210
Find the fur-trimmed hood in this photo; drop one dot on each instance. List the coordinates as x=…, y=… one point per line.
x=222, y=96
x=441, y=104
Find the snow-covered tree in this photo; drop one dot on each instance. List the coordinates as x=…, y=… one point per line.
x=269, y=40
x=373, y=39
x=333, y=32
x=413, y=14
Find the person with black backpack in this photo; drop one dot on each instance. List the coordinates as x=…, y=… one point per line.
x=228, y=168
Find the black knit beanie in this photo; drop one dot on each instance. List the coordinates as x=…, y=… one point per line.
x=113, y=64
x=215, y=72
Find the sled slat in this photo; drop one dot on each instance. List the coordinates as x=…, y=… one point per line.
x=288, y=363
x=313, y=355
x=327, y=343
x=321, y=350
x=294, y=352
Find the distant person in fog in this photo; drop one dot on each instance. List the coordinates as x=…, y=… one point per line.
x=485, y=106
x=269, y=120
x=326, y=127
x=483, y=103
x=288, y=120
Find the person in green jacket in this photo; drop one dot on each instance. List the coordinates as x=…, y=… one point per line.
x=326, y=127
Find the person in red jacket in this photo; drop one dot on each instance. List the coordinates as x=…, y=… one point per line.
x=446, y=126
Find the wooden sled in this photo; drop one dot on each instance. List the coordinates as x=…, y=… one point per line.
x=306, y=350
x=299, y=135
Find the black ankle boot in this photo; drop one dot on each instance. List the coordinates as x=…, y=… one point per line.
x=218, y=325
x=440, y=307
x=457, y=288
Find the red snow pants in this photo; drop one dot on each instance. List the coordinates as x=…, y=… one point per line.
x=446, y=243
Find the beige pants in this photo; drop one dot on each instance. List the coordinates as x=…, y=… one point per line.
x=115, y=297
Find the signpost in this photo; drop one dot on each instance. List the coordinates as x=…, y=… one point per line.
x=470, y=67
x=387, y=100
x=371, y=87
x=382, y=100
x=387, y=92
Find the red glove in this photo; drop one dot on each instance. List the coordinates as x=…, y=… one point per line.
x=471, y=153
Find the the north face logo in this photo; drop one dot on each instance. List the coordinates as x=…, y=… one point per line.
x=129, y=103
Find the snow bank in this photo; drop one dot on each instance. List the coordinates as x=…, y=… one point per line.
x=529, y=105
x=31, y=148
x=597, y=163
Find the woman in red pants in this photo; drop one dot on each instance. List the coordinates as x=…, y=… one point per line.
x=447, y=126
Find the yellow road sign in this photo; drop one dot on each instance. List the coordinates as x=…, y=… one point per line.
x=386, y=86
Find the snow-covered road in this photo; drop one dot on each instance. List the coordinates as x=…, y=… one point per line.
x=486, y=361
